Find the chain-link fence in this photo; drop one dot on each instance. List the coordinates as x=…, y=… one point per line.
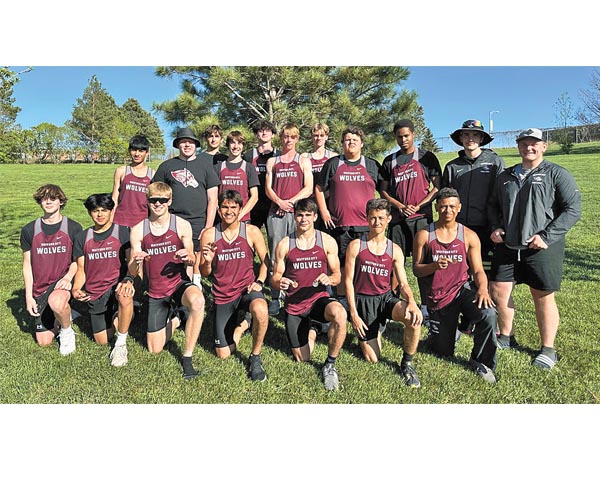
x=507, y=139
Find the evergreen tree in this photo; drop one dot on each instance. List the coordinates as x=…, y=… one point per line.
x=428, y=142
x=144, y=123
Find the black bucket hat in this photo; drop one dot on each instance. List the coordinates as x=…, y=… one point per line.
x=469, y=126
x=185, y=133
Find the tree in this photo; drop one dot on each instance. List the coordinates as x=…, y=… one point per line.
x=591, y=100
x=428, y=142
x=144, y=123
x=564, y=113
x=93, y=116
x=10, y=133
x=368, y=97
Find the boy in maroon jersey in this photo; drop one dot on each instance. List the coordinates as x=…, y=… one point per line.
x=370, y=262
x=101, y=253
x=444, y=253
x=48, y=268
x=289, y=179
x=306, y=265
x=130, y=185
x=227, y=253
x=162, y=245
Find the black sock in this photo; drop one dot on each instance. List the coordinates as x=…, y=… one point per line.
x=407, y=358
x=330, y=359
x=549, y=352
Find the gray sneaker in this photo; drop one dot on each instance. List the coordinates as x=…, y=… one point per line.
x=330, y=377
x=409, y=374
x=118, y=356
x=483, y=371
x=256, y=370
x=67, y=342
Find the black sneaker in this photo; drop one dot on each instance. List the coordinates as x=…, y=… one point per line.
x=256, y=372
x=189, y=371
x=505, y=344
x=274, y=307
x=409, y=374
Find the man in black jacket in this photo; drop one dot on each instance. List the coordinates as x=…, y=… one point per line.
x=532, y=207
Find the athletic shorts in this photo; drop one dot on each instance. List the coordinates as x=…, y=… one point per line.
x=487, y=247
x=157, y=309
x=374, y=311
x=103, y=310
x=298, y=326
x=226, y=317
x=539, y=269
x=45, y=321
x=404, y=233
x=259, y=215
x=197, y=226
x=343, y=236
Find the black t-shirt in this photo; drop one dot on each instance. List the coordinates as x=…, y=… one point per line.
x=189, y=180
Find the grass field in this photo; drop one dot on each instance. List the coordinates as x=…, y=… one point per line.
x=30, y=374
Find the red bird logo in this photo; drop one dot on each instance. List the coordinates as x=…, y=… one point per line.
x=185, y=177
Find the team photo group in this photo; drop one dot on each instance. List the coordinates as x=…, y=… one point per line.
x=241, y=232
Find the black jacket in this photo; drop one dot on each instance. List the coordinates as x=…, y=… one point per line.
x=547, y=202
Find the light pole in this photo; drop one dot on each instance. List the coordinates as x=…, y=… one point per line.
x=491, y=121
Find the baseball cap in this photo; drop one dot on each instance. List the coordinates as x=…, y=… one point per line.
x=530, y=132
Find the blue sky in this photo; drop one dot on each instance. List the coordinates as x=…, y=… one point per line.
x=522, y=97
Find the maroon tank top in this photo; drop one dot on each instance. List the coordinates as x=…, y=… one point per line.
x=132, y=207
x=232, y=266
x=287, y=179
x=446, y=283
x=373, y=273
x=165, y=273
x=351, y=187
x=304, y=266
x=235, y=179
x=51, y=255
x=102, y=262
x=409, y=181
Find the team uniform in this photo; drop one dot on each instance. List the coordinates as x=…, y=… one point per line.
x=260, y=212
x=408, y=177
x=474, y=180
x=105, y=263
x=232, y=272
x=190, y=181
x=287, y=179
x=544, y=201
x=51, y=251
x=316, y=167
x=450, y=293
x=351, y=184
x=167, y=278
x=240, y=177
x=373, y=287
x=305, y=302
x=132, y=206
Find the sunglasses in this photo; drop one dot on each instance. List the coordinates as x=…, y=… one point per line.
x=161, y=200
x=472, y=123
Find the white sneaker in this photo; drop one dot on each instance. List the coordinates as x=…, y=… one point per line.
x=118, y=356
x=67, y=341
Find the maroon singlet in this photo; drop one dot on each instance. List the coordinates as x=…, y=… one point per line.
x=235, y=179
x=446, y=283
x=373, y=273
x=102, y=262
x=287, y=179
x=409, y=181
x=232, y=266
x=304, y=266
x=51, y=255
x=350, y=189
x=165, y=273
x=132, y=207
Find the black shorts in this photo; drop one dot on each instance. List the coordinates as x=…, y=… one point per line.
x=343, y=236
x=404, y=233
x=259, y=214
x=374, y=311
x=103, y=310
x=46, y=320
x=298, y=326
x=540, y=269
x=487, y=247
x=226, y=317
x=157, y=310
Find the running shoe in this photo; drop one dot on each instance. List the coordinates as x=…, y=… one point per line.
x=330, y=377
x=118, y=356
x=483, y=371
x=255, y=369
x=67, y=341
x=409, y=374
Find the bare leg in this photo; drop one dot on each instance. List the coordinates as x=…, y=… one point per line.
x=546, y=314
x=501, y=293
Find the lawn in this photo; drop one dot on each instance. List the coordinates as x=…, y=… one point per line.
x=33, y=375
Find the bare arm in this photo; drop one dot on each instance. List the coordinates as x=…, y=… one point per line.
x=79, y=281
x=30, y=303
x=257, y=242
x=252, y=200
x=473, y=245
x=211, y=210
x=333, y=262
x=185, y=254
x=420, y=268
x=360, y=327
x=207, y=252
x=136, y=260
x=118, y=178
x=412, y=312
x=281, y=251
x=323, y=210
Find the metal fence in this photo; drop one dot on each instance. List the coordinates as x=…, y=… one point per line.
x=506, y=139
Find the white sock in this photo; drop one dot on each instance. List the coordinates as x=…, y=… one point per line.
x=68, y=329
x=121, y=339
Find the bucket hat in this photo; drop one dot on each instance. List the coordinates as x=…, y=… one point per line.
x=185, y=133
x=470, y=126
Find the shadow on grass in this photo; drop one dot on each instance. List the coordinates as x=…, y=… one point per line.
x=581, y=265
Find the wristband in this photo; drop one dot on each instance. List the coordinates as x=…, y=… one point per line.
x=127, y=277
x=260, y=282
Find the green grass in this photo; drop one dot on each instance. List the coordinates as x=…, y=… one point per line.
x=31, y=374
